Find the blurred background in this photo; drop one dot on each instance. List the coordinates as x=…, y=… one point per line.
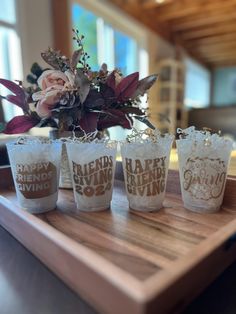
x=189, y=43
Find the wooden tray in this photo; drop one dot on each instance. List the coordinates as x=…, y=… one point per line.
x=128, y=262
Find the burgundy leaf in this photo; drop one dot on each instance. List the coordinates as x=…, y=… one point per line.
x=19, y=98
x=108, y=94
x=111, y=80
x=94, y=100
x=144, y=85
x=13, y=87
x=14, y=100
x=126, y=88
x=132, y=110
x=88, y=123
x=20, y=124
x=114, y=117
x=106, y=123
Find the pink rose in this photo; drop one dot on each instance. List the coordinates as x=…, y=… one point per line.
x=48, y=101
x=51, y=78
x=53, y=84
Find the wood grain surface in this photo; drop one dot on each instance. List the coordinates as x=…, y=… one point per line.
x=57, y=298
x=140, y=243
x=28, y=287
x=153, y=252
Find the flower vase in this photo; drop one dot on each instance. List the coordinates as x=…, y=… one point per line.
x=65, y=181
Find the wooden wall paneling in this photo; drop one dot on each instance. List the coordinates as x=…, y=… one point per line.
x=181, y=8
x=212, y=30
x=151, y=4
x=62, y=26
x=211, y=40
x=202, y=19
x=223, y=63
x=150, y=19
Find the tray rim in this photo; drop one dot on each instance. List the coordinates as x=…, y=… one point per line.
x=137, y=295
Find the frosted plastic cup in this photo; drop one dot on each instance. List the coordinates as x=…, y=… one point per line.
x=145, y=167
x=92, y=167
x=203, y=166
x=35, y=169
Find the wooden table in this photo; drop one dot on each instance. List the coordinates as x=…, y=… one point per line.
x=28, y=287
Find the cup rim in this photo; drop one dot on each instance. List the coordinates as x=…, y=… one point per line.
x=101, y=143
x=160, y=140
x=15, y=144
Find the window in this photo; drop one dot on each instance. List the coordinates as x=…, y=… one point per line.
x=105, y=43
x=197, y=88
x=10, y=55
x=224, y=92
x=86, y=22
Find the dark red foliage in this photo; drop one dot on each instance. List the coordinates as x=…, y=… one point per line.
x=114, y=117
x=111, y=80
x=126, y=88
x=94, y=100
x=19, y=97
x=88, y=123
x=20, y=124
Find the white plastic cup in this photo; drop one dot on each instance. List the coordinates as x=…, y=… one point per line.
x=92, y=167
x=35, y=168
x=203, y=167
x=145, y=167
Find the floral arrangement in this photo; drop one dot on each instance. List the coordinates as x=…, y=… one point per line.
x=70, y=96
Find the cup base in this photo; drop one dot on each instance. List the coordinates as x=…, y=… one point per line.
x=146, y=209
x=93, y=209
x=66, y=186
x=201, y=210
x=38, y=211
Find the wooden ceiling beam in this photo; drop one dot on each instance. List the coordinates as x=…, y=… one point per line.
x=206, y=29
x=179, y=9
x=210, y=57
x=213, y=30
x=201, y=50
x=149, y=20
x=204, y=20
x=218, y=57
x=163, y=30
x=150, y=4
x=211, y=40
x=224, y=63
x=230, y=46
